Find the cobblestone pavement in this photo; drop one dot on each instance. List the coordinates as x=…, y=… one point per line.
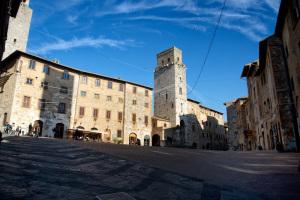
x=37, y=168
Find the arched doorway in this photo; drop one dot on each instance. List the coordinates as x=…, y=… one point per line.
x=38, y=127
x=156, y=140
x=59, y=130
x=132, y=139
x=147, y=140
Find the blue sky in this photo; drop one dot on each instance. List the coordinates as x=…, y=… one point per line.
x=120, y=38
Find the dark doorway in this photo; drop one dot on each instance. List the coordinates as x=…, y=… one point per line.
x=59, y=130
x=38, y=127
x=4, y=119
x=156, y=140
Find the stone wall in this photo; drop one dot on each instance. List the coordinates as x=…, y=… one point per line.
x=18, y=30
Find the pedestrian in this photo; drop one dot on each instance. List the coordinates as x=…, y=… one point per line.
x=29, y=129
x=0, y=136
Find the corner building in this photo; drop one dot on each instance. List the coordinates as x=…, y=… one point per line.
x=55, y=98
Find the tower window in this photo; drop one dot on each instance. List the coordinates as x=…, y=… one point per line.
x=180, y=91
x=166, y=96
x=15, y=40
x=61, y=108
x=169, y=60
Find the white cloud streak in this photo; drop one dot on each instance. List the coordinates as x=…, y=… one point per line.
x=243, y=16
x=61, y=44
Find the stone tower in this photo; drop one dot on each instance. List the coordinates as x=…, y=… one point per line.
x=18, y=30
x=170, y=98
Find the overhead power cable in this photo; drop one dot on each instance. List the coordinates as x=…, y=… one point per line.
x=209, y=46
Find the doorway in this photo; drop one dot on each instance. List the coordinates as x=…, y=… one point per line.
x=59, y=130
x=156, y=140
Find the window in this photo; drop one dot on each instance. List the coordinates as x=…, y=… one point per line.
x=134, y=89
x=65, y=75
x=42, y=104
x=146, y=93
x=108, y=98
x=146, y=105
x=165, y=125
x=81, y=111
x=121, y=87
x=95, y=113
x=120, y=116
x=162, y=62
x=29, y=81
x=97, y=82
x=134, y=102
x=108, y=114
x=133, y=118
x=61, y=108
x=44, y=85
x=146, y=120
x=119, y=133
x=180, y=91
x=83, y=93
x=166, y=96
x=121, y=100
x=97, y=96
x=26, y=102
x=32, y=64
x=63, y=90
x=169, y=60
x=46, y=69
x=84, y=79
x=109, y=85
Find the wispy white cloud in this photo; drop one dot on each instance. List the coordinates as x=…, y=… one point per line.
x=243, y=16
x=61, y=44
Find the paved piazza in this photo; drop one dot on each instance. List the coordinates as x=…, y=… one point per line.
x=40, y=168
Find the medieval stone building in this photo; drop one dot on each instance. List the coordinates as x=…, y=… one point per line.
x=18, y=29
x=271, y=119
x=192, y=124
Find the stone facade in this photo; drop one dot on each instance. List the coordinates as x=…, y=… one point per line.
x=235, y=120
x=18, y=30
x=170, y=98
x=271, y=119
x=40, y=92
x=191, y=124
x=288, y=29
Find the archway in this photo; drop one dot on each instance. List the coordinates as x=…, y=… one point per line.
x=156, y=140
x=59, y=130
x=38, y=127
x=132, y=139
x=147, y=140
